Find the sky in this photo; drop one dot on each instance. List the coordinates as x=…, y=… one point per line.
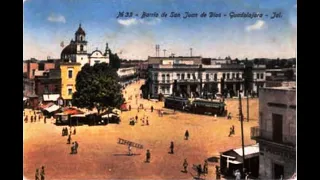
x=47, y=23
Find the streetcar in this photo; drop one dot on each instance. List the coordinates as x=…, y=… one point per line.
x=211, y=107
x=177, y=103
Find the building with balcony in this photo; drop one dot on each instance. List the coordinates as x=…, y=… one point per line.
x=127, y=74
x=192, y=78
x=276, y=133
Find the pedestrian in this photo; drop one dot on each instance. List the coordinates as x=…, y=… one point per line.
x=148, y=156
x=233, y=132
x=76, y=145
x=229, y=115
x=199, y=170
x=217, y=172
x=142, y=122
x=69, y=139
x=186, y=135
x=66, y=131
x=230, y=133
x=147, y=122
x=237, y=174
x=136, y=118
x=37, y=175
x=129, y=107
x=74, y=131
x=185, y=165
x=31, y=118
x=42, y=174
x=73, y=148
x=63, y=132
x=171, y=147
x=151, y=108
x=205, y=167
x=129, y=149
x=45, y=120
x=39, y=118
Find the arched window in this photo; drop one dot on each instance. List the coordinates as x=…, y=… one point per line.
x=215, y=77
x=81, y=38
x=81, y=47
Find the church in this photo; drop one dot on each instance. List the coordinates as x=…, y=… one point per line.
x=76, y=51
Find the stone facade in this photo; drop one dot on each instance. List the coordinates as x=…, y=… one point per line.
x=277, y=132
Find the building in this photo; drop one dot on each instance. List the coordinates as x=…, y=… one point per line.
x=69, y=73
x=127, y=74
x=276, y=133
x=48, y=84
x=276, y=77
x=232, y=160
x=31, y=69
x=192, y=77
x=76, y=51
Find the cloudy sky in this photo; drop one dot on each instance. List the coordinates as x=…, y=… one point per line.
x=49, y=22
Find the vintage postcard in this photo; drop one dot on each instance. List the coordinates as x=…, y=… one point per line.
x=159, y=89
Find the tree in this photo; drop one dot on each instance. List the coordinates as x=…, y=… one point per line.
x=114, y=60
x=248, y=76
x=97, y=87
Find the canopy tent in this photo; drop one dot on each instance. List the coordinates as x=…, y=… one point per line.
x=52, y=108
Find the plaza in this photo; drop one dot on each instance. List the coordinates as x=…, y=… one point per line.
x=100, y=157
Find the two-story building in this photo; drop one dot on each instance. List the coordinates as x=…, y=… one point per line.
x=69, y=73
x=191, y=77
x=276, y=133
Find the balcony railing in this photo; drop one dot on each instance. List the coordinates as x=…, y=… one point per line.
x=260, y=134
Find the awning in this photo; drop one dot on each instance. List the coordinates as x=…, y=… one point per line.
x=52, y=108
x=234, y=162
x=249, y=151
x=109, y=115
x=60, y=114
x=117, y=111
x=50, y=97
x=78, y=115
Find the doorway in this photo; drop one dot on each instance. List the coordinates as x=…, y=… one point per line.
x=278, y=171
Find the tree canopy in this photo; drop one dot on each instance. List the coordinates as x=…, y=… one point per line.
x=97, y=87
x=114, y=60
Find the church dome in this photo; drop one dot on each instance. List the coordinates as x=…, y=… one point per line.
x=80, y=31
x=68, y=50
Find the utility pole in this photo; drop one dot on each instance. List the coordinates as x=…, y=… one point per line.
x=247, y=105
x=164, y=53
x=242, y=137
x=190, y=52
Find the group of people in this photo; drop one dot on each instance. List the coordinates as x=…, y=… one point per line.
x=75, y=145
x=33, y=117
x=231, y=131
x=41, y=175
x=198, y=168
x=65, y=131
